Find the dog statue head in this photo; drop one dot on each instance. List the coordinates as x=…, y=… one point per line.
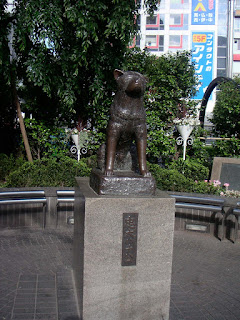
x=131, y=82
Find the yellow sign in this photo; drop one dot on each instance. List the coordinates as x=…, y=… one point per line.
x=200, y=7
x=199, y=38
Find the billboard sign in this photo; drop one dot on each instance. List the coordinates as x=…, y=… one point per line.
x=203, y=12
x=202, y=56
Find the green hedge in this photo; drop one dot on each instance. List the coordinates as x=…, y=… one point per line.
x=172, y=180
x=48, y=173
x=191, y=169
x=8, y=164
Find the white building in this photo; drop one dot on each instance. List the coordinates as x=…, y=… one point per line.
x=210, y=28
x=236, y=39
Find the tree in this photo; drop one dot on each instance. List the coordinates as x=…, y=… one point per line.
x=10, y=76
x=226, y=113
x=6, y=107
x=65, y=53
x=70, y=48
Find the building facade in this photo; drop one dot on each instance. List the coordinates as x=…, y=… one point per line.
x=236, y=38
x=210, y=28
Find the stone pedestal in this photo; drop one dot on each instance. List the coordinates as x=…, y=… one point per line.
x=122, y=183
x=122, y=255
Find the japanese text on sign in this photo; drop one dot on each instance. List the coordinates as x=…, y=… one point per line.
x=203, y=12
x=129, y=242
x=202, y=56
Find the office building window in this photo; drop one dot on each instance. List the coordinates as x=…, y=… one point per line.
x=155, y=22
x=176, y=19
x=222, y=52
x=237, y=24
x=222, y=57
x=236, y=45
x=151, y=41
x=161, y=43
x=221, y=63
x=175, y=41
x=222, y=44
x=179, y=4
x=155, y=42
x=178, y=42
x=178, y=22
x=222, y=17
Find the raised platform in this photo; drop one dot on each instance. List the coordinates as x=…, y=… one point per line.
x=122, y=183
x=122, y=254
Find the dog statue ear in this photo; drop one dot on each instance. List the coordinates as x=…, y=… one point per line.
x=117, y=73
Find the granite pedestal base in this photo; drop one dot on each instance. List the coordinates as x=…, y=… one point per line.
x=122, y=255
x=122, y=183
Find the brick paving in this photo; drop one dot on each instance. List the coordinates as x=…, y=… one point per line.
x=36, y=276
x=205, y=278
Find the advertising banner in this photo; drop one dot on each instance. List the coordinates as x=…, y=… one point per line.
x=202, y=56
x=203, y=12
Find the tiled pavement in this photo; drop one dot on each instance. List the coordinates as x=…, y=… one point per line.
x=36, y=276
x=205, y=278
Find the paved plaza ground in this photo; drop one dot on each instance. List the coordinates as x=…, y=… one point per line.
x=36, y=276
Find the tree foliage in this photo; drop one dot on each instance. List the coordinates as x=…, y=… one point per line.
x=226, y=114
x=66, y=51
x=7, y=109
x=46, y=141
x=5, y=21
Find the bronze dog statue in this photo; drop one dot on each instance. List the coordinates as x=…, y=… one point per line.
x=127, y=120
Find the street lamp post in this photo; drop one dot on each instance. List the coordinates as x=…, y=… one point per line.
x=185, y=131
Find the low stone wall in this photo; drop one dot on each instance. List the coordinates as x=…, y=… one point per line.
x=185, y=217
x=31, y=215
x=207, y=218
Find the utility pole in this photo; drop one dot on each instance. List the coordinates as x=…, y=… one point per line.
x=230, y=37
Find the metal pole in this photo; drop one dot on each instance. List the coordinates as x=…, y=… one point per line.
x=184, y=149
x=230, y=38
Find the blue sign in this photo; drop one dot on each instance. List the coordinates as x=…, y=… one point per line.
x=202, y=56
x=203, y=12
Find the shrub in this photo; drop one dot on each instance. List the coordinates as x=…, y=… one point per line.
x=226, y=148
x=199, y=151
x=172, y=180
x=7, y=164
x=191, y=169
x=206, y=187
x=226, y=113
x=45, y=140
x=48, y=173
